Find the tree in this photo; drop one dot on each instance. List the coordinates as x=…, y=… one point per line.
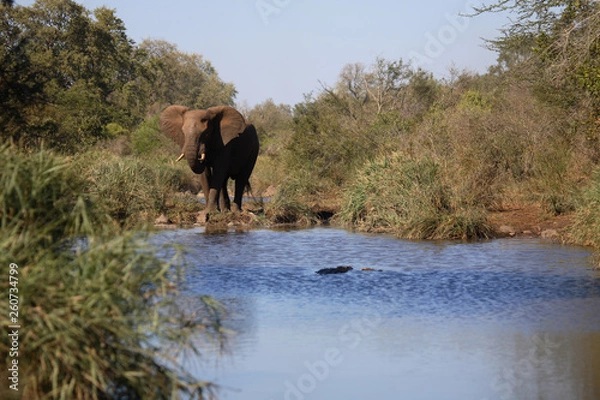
x=560, y=37
x=67, y=74
x=273, y=124
x=377, y=89
x=61, y=72
x=175, y=77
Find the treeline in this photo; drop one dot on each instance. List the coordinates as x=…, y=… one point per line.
x=70, y=77
x=430, y=158
x=386, y=147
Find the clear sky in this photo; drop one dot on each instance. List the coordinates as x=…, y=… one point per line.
x=282, y=49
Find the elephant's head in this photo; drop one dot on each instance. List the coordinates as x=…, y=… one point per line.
x=197, y=130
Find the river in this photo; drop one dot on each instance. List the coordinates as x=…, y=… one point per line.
x=497, y=319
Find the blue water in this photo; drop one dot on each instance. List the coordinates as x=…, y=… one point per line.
x=500, y=319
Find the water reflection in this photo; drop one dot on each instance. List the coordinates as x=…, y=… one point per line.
x=504, y=319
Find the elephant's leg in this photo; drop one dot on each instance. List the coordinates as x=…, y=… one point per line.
x=204, y=177
x=224, y=201
x=240, y=186
x=204, y=182
x=212, y=194
x=212, y=203
x=216, y=182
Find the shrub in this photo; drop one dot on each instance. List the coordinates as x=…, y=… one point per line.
x=98, y=306
x=32, y=201
x=586, y=226
x=409, y=197
x=113, y=130
x=290, y=204
x=148, y=139
x=132, y=190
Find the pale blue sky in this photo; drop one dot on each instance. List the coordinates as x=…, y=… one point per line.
x=281, y=49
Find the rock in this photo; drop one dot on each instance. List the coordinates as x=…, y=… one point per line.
x=269, y=192
x=201, y=217
x=550, y=234
x=337, y=270
x=162, y=220
x=507, y=230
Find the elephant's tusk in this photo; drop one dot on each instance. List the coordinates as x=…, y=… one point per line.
x=202, y=157
x=180, y=157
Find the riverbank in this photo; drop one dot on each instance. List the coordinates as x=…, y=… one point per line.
x=530, y=221
x=518, y=221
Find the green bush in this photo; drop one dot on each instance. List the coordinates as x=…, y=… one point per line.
x=113, y=130
x=586, y=227
x=147, y=138
x=32, y=201
x=323, y=146
x=409, y=197
x=290, y=204
x=553, y=183
x=98, y=311
x=132, y=190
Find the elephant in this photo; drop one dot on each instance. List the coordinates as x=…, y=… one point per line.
x=218, y=143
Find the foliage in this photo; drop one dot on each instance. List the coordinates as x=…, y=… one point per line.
x=411, y=198
x=494, y=140
x=290, y=205
x=131, y=190
x=321, y=146
x=175, y=77
x=368, y=112
x=99, y=308
x=273, y=124
x=557, y=40
x=32, y=200
x=61, y=69
x=586, y=227
x=147, y=137
x=69, y=76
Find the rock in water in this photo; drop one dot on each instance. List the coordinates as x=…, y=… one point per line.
x=162, y=220
x=337, y=270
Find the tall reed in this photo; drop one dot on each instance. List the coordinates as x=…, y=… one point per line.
x=96, y=305
x=410, y=198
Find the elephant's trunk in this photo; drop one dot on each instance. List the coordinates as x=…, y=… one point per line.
x=194, y=159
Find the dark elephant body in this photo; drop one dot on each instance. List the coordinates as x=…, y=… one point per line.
x=219, y=144
x=235, y=161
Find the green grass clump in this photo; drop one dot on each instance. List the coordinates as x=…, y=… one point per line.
x=131, y=190
x=97, y=307
x=147, y=138
x=289, y=204
x=586, y=226
x=408, y=196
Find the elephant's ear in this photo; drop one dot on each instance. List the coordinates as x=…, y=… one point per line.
x=232, y=123
x=171, y=122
